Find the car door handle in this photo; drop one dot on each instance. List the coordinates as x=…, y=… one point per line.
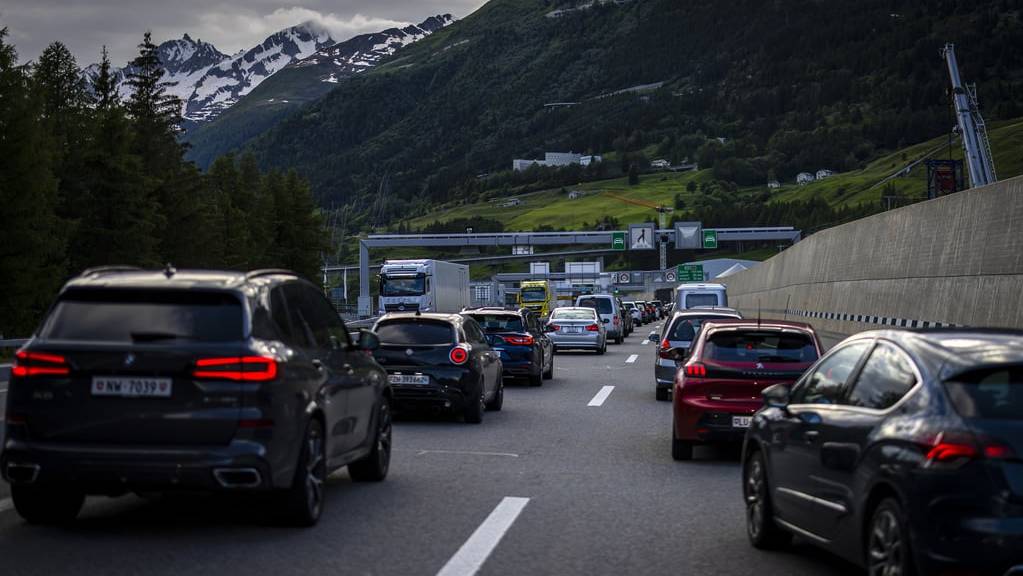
x=318, y=364
x=811, y=435
x=348, y=369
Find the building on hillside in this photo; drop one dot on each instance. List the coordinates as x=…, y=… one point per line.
x=804, y=178
x=555, y=160
x=773, y=184
x=660, y=164
x=824, y=173
x=523, y=165
x=576, y=194
x=511, y=202
x=587, y=160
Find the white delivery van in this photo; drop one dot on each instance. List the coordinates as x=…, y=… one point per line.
x=692, y=295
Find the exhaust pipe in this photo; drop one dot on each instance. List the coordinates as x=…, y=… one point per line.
x=237, y=477
x=22, y=473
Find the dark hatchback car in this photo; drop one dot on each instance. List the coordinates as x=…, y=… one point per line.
x=717, y=390
x=165, y=380
x=525, y=349
x=899, y=450
x=440, y=362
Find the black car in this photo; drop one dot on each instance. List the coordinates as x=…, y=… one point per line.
x=440, y=362
x=900, y=450
x=196, y=380
x=526, y=350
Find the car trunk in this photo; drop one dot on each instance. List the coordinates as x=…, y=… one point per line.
x=410, y=356
x=131, y=395
x=742, y=381
x=572, y=326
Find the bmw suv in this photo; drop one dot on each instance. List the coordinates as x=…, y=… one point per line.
x=194, y=380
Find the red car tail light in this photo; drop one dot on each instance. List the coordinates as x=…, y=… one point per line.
x=237, y=368
x=526, y=340
x=39, y=364
x=958, y=448
x=593, y=328
x=459, y=355
x=554, y=327
x=663, y=350
x=696, y=370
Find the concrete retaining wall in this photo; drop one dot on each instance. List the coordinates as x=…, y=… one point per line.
x=956, y=260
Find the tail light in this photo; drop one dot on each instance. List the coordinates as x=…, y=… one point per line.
x=696, y=370
x=526, y=340
x=616, y=320
x=238, y=368
x=459, y=355
x=952, y=449
x=593, y=328
x=663, y=350
x=554, y=327
x=39, y=364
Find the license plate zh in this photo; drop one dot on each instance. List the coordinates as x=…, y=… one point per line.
x=131, y=387
x=417, y=379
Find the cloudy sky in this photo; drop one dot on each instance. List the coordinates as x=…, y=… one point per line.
x=231, y=25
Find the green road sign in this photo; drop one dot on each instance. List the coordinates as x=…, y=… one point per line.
x=689, y=272
x=710, y=239
x=618, y=240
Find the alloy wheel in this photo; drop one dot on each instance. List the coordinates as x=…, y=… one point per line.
x=315, y=470
x=755, y=495
x=384, y=436
x=885, y=548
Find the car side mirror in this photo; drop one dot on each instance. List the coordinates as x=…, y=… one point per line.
x=607, y=320
x=777, y=396
x=653, y=337
x=368, y=340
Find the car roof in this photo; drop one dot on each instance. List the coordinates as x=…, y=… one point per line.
x=496, y=312
x=757, y=324
x=722, y=313
x=169, y=277
x=434, y=316
x=952, y=351
x=595, y=296
x=563, y=308
x=701, y=286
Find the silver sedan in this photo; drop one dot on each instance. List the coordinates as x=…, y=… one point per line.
x=576, y=328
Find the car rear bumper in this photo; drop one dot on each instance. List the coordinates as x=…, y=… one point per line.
x=448, y=389
x=565, y=341
x=519, y=367
x=704, y=420
x=982, y=545
x=664, y=375
x=110, y=469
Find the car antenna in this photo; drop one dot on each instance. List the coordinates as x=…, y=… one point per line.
x=758, y=312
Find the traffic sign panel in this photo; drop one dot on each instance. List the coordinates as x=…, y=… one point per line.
x=689, y=272
x=710, y=239
x=641, y=236
x=618, y=240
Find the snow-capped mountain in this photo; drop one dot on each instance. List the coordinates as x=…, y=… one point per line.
x=361, y=53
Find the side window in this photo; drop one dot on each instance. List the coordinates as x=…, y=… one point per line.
x=281, y=313
x=302, y=318
x=473, y=333
x=826, y=384
x=328, y=328
x=531, y=323
x=884, y=380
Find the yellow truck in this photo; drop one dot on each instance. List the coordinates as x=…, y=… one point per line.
x=536, y=295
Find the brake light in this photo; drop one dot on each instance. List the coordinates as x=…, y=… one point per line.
x=238, y=368
x=616, y=320
x=459, y=355
x=663, y=350
x=554, y=327
x=961, y=447
x=948, y=451
x=593, y=328
x=39, y=364
x=526, y=340
x=697, y=370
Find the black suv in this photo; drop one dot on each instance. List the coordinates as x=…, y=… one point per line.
x=165, y=380
x=526, y=350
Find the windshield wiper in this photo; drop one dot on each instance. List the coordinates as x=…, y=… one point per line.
x=154, y=336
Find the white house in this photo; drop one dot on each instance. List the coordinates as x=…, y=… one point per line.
x=804, y=178
x=512, y=202
x=773, y=184
x=824, y=173
x=587, y=160
x=523, y=165
x=660, y=164
x=554, y=159
x=575, y=194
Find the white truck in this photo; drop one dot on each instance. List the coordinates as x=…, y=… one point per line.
x=423, y=285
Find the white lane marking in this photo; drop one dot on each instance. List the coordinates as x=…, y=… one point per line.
x=6, y=504
x=466, y=452
x=3, y=390
x=471, y=556
x=631, y=359
x=644, y=343
x=601, y=396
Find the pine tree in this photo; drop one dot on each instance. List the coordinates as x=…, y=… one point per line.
x=104, y=87
x=32, y=240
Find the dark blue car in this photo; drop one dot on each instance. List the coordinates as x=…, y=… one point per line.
x=526, y=351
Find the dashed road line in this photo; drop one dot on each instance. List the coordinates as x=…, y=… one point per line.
x=644, y=343
x=631, y=359
x=601, y=396
x=461, y=452
x=471, y=556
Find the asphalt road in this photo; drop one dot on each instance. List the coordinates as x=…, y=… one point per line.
x=570, y=478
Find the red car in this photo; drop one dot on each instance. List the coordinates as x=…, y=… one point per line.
x=717, y=390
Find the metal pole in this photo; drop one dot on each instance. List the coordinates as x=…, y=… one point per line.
x=364, y=298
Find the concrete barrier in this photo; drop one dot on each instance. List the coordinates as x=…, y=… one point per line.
x=956, y=260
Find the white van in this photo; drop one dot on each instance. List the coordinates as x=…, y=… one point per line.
x=692, y=295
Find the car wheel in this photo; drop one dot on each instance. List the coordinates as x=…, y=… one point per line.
x=618, y=339
x=47, y=504
x=474, y=408
x=680, y=449
x=888, y=552
x=602, y=349
x=763, y=533
x=498, y=400
x=663, y=394
x=374, y=467
x=536, y=380
x=302, y=504
x=549, y=373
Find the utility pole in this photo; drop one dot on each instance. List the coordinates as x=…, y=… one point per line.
x=972, y=129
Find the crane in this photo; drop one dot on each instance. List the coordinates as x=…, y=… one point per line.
x=662, y=211
x=972, y=129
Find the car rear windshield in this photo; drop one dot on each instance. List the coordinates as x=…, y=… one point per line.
x=416, y=332
x=760, y=346
x=601, y=305
x=995, y=394
x=685, y=329
x=498, y=322
x=573, y=315
x=630, y=305
x=112, y=315
x=706, y=299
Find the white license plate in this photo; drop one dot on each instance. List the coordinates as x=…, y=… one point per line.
x=573, y=330
x=741, y=421
x=129, y=387
x=408, y=379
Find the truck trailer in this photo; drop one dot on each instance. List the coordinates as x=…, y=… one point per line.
x=423, y=285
